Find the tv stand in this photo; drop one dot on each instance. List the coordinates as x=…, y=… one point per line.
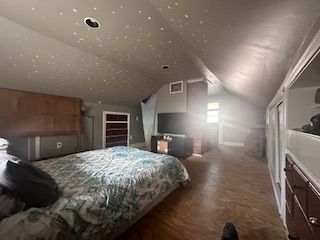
x=177, y=146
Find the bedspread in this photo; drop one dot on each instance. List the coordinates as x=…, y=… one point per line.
x=100, y=189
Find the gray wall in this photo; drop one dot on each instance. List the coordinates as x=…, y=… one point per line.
x=237, y=117
x=25, y=147
x=168, y=103
x=171, y=102
x=22, y=147
x=48, y=145
x=94, y=112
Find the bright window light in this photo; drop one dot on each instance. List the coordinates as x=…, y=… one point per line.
x=213, y=106
x=213, y=112
x=213, y=119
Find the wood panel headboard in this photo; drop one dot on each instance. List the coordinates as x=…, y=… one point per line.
x=25, y=114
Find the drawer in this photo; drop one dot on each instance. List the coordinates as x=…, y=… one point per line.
x=300, y=187
x=290, y=225
x=289, y=169
x=313, y=213
x=301, y=224
x=289, y=197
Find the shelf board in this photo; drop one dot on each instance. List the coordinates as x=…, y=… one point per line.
x=305, y=134
x=107, y=129
x=315, y=106
x=112, y=136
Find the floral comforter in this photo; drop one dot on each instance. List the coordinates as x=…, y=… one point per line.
x=100, y=189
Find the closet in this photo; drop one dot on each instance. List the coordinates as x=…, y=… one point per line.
x=293, y=129
x=116, y=127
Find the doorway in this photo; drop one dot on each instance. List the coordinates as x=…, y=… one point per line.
x=279, y=135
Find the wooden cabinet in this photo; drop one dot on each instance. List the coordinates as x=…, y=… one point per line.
x=314, y=210
x=25, y=114
x=302, y=204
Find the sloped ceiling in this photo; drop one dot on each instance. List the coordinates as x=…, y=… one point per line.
x=246, y=46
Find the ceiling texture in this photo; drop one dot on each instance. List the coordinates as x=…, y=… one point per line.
x=244, y=47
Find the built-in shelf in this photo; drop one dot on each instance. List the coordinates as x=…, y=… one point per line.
x=307, y=135
x=316, y=106
x=305, y=148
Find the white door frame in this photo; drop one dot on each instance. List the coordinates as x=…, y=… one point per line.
x=104, y=121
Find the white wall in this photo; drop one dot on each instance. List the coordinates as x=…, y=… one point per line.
x=301, y=106
x=236, y=118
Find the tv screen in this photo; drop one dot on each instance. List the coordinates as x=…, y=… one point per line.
x=173, y=123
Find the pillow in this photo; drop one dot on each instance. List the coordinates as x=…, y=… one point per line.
x=3, y=146
x=9, y=204
x=30, y=184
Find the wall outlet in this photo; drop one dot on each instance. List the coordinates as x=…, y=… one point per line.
x=137, y=118
x=130, y=137
x=59, y=145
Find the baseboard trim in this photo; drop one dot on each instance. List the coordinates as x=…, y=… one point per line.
x=137, y=145
x=233, y=144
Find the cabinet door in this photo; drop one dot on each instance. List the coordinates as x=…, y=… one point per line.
x=289, y=197
x=300, y=187
x=290, y=225
x=289, y=170
x=301, y=223
x=313, y=214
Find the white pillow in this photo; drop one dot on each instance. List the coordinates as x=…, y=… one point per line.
x=3, y=144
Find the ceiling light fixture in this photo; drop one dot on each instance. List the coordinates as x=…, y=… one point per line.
x=91, y=22
x=164, y=66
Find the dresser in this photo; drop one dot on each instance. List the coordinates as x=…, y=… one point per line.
x=302, y=204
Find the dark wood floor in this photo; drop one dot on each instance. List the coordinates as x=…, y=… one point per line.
x=225, y=186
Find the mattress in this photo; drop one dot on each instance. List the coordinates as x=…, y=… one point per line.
x=100, y=189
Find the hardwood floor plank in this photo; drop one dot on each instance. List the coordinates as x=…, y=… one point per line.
x=225, y=186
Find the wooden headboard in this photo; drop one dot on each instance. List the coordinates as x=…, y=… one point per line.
x=32, y=114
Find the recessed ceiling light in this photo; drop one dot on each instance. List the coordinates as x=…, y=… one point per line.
x=91, y=22
x=164, y=66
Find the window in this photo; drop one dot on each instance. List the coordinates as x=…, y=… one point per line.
x=213, y=112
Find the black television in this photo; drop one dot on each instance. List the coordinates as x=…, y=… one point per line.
x=173, y=123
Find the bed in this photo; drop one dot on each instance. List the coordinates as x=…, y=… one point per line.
x=103, y=192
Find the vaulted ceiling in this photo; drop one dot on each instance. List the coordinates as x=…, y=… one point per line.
x=246, y=46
